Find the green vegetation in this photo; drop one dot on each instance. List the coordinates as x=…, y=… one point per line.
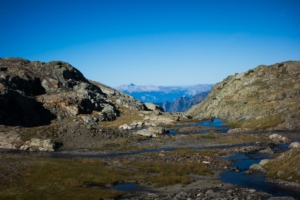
x=209, y=136
x=169, y=173
x=288, y=164
x=189, y=152
x=30, y=177
x=45, y=178
x=265, y=122
x=123, y=145
x=258, y=124
x=237, y=124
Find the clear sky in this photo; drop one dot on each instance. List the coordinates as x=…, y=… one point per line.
x=158, y=42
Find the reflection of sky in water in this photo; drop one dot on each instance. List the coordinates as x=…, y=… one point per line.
x=255, y=180
x=216, y=123
x=124, y=187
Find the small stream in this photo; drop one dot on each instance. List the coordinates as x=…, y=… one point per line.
x=216, y=124
x=255, y=181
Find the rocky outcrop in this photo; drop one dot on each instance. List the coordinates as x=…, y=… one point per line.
x=120, y=98
x=266, y=97
x=12, y=140
x=50, y=98
x=34, y=93
x=153, y=107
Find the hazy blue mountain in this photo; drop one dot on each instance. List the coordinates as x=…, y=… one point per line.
x=183, y=103
x=158, y=94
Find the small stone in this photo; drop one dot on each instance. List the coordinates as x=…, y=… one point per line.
x=252, y=190
x=200, y=195
x=229, y=191
x=280, y=173
x=152, y=195
x=209, y=192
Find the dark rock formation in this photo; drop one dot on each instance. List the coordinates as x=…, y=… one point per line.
x=34, y=93
x=261, y=98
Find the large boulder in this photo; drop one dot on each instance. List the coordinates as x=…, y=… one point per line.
x=36, y=144
x=146, y=133
x=157, y=130
x=153, y=107
x=257, y=167
x=10, y=140
x=294, y=145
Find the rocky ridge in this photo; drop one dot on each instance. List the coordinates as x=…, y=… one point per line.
x=54, y=103
x=266, y=97
x=33, y=93
x=53, y=94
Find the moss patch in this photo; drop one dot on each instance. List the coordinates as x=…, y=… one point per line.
x=162, y=174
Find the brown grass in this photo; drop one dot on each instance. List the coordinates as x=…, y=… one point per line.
x=242, y=138
x=289, y=163
x=265, y=122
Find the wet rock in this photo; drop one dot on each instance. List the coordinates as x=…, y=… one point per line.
x=263, y=162
x=247, y=172
x=257, y=167
x=267, y=151
x=294, y=145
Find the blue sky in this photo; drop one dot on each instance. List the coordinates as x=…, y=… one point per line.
x=159, y=42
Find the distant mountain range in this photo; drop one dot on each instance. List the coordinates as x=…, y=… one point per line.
x=159, y=94
x=183, y=103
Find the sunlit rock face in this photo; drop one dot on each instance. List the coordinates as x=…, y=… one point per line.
x=266, y=97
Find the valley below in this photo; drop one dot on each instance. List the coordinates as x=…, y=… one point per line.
x=194, y=161
x=63, y=136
